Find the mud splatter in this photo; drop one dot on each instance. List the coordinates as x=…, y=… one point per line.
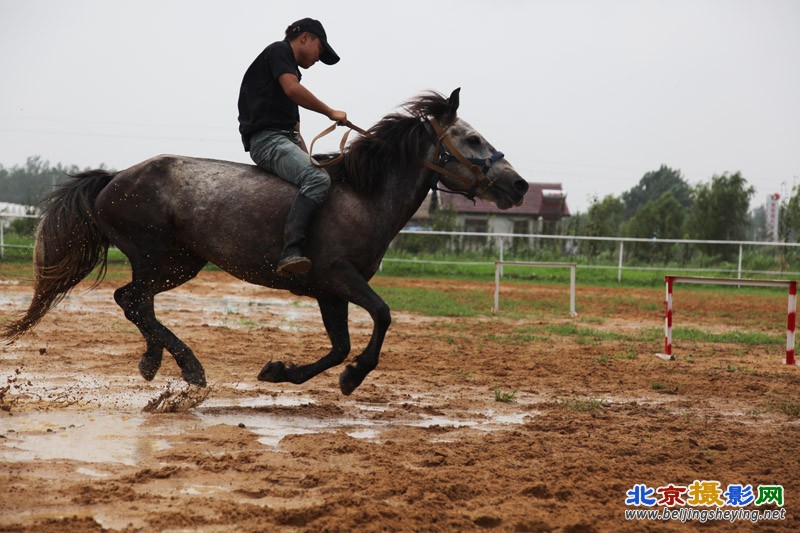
x=178, y=399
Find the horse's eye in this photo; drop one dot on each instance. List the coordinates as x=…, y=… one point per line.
x=474, y=140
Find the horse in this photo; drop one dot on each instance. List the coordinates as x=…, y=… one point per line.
x=172, y=215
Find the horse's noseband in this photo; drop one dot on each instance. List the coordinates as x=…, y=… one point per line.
x=484, y=164
x=479, y=167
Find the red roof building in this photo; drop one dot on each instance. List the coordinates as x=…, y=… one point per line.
x=543, y=202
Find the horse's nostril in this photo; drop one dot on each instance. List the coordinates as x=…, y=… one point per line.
x=521, y=186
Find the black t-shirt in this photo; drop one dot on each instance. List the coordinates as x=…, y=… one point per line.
x=262, y=102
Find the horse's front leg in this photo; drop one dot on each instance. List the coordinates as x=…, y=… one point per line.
x=355, y=288
x=334, y=316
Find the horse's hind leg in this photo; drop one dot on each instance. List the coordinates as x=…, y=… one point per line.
x=150, y=361
x=136, y=300
x=334, y=316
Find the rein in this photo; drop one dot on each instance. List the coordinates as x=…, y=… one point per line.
x=340, y=157
x=479, y=167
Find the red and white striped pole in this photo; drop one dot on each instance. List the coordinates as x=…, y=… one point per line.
x=791, y=322
x=791, y=312
x=668, y=321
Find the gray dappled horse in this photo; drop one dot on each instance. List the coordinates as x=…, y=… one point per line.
x=172, y=215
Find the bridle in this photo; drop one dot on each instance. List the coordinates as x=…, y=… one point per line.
x=447, y=152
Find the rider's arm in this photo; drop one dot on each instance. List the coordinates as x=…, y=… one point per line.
x=305, y=98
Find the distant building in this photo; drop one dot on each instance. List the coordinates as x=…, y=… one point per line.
x=544, y=205
x=773, y=215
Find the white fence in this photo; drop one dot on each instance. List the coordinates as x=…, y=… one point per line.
x=3, y=244
x=501, y=239
x=498, y=267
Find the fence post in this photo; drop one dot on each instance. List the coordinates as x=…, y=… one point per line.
x=619, y=270
x=791, y=322
x=667, y=355
x=496, y=287
x=740, y=262
x=2, y=242
x=500, y=241
x=572, y=311
x=572, y=269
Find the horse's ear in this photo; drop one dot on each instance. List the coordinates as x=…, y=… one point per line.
x=452, y=106
x=453, y=100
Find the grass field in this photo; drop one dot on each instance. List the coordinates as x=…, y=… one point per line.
x=432, y=301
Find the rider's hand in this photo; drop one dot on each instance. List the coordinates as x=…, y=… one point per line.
x=340, y=117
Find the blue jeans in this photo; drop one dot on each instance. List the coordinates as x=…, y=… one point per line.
x=279, y=152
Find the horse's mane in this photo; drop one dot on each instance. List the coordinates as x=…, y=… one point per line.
x=393, y=144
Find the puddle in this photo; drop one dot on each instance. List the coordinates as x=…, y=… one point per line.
x=366, y=433
x=200, y=490
x=85, y=437
x=283, y=400
x=272, y=427
x=114, y=393
x=116, y=430
x=91, y=473
x=113, y=437
x=223, y=310
x=215, y=310
x=235, y=311
x=441, y=421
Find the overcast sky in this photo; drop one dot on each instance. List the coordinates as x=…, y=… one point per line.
x=592, y=94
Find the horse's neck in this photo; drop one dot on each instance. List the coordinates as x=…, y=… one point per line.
x=403, y=194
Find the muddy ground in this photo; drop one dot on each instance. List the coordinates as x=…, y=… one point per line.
x=423, y=444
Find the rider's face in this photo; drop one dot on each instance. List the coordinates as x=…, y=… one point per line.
x=310, y=50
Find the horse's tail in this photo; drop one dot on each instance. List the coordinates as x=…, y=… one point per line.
x=69, y=245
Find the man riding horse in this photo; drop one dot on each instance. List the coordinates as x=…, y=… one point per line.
x=269, y=122
x=171, y=215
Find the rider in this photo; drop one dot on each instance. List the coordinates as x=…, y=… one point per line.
x=269, y=122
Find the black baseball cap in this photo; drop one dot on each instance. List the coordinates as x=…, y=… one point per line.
x=329, y=57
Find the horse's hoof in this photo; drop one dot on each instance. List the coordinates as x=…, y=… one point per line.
x=199, y=380
x=274, y=372
x=350, y=379
x=195, y=376
x=148, y=368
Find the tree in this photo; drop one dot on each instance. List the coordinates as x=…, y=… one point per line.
x=652, y=186
x=789, y=225
x=758, y=230
x=29, y=184
x=789, y=222
x=574, y=224
x=603, y=219
x=661, y=218
x=720, y=212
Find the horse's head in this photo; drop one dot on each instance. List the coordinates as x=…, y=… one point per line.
x=467, y=163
